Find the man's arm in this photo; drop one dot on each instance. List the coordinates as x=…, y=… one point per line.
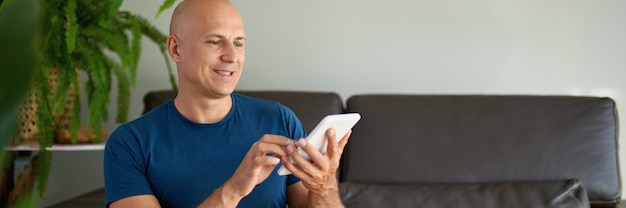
x=147, y=201
x=297, y=196
x=224, y=196
x=319, y=176
x=221, y=197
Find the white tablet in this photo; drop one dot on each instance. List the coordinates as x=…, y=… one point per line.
x=342, y=123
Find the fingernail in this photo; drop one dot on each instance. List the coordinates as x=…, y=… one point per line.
x=331, y=131
x=289, y=149
x=302, y=142
x=275, y=160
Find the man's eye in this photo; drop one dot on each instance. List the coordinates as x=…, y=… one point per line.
x=238, y=45
x=212, y=42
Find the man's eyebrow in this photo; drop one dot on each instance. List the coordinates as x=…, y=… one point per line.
x=221, y=36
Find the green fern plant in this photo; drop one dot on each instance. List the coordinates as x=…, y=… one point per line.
x=78, y=36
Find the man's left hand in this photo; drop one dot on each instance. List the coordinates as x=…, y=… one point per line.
x=319, y=174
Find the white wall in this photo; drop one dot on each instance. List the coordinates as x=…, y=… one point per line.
x=449, y=46
x=564, y=47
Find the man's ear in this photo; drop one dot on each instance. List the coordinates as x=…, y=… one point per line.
x=172, y=47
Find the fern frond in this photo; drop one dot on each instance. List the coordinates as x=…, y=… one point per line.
x=98, y=67
x=117, y=41
x=123, y=95
x=75, y=114
x=43, y=170
x=89, y=13
x=53, y=23
x=104, y=111
x=156, y=36
x=126, y=18
x=44, y=112
x=135, y=52
x=97, y=102
x=65, y=77
x=166, y=4
x=41, y=84
x=92, y=60
x=160, y=39
x=98, y=132
x=114, y=6
x=45, y=124
x=71, y=28
x=95, y=74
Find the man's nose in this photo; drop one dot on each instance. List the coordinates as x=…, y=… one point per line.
x=230, y=53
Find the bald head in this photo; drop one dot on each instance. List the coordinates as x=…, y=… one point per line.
x=207, y=43
x=190, y=12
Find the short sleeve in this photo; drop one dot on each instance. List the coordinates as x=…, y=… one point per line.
x=124, y=166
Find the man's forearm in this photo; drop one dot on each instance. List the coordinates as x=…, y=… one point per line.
x=222, y=197
x=329, y=198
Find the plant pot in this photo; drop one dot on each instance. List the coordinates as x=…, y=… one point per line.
x=28, y=133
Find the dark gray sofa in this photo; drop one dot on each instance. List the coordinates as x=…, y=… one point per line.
x=446, y=150
x=468, y=150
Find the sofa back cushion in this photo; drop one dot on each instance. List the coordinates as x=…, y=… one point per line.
x=545, y=194
x=484, y=139
x=310, y=107
x=155, y=98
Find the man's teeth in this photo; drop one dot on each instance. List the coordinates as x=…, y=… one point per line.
x=223, y=72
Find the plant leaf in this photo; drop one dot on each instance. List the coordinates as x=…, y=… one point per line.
x=135, y=52
x=75, y=114
x=155, y=36
x=123, y=95
x=18, y=58
x=71, y=28
x=45, y=125
x=166, y=4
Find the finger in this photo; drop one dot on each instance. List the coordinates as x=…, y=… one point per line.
x=260, y=148
x=338, y=151
x=301, y=168
x=295, y=169
x=314, y=154
x=316, y=157
x=344, y=140
x=267, y=160
x=331, y=148
x=276, y=139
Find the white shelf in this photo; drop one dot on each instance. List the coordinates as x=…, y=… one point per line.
x=58, y=147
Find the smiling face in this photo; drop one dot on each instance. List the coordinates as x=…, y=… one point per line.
x=207, y=43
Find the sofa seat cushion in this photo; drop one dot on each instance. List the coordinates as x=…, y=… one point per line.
x=553, y=194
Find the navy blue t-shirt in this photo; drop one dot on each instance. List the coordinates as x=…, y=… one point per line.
x=182, y=162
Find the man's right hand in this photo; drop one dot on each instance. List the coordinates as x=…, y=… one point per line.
x=257, y=165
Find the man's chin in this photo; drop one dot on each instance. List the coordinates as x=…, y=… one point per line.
x=222, y=93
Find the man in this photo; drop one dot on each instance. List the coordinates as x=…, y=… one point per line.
x=209, y=147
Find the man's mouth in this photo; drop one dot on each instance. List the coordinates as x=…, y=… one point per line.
x=225, y=73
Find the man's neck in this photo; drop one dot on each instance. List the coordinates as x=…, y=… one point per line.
x=204, y=110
